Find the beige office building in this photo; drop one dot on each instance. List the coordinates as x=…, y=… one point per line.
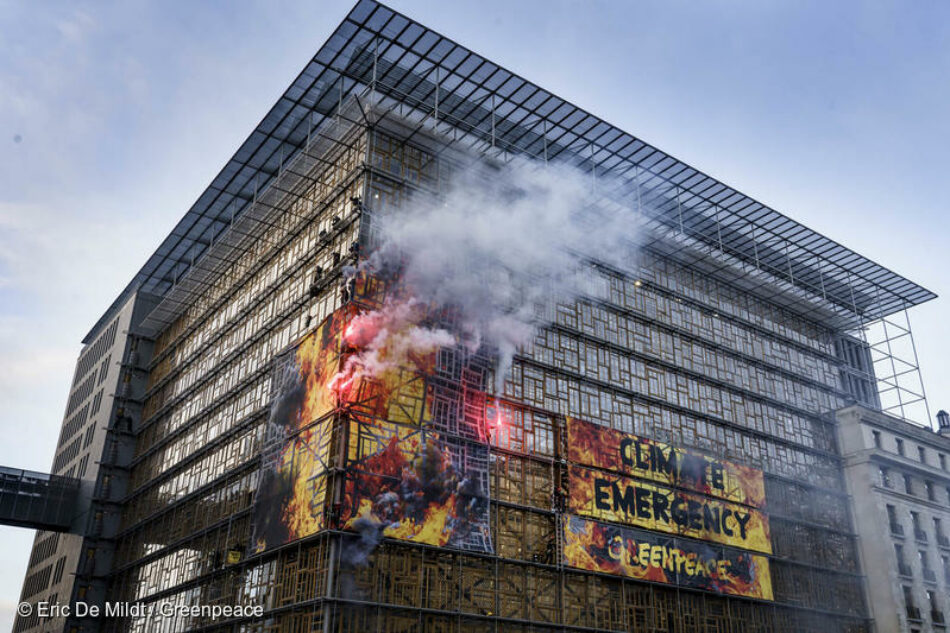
x=898, y=475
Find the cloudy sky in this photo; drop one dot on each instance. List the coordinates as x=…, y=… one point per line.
x=114, y=116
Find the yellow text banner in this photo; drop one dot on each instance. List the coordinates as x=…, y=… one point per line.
x=611, y=497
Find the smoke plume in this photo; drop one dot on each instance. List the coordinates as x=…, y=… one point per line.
x=355, y=554
x=502, y=247
x=387, y=339
x=357, y=550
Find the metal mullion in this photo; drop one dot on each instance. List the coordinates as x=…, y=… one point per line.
x=382, y=9
x=365, y=23
x=554, y=140
x=477, y=125
x=512, y=78
x=670, y=177
x=570, y=109
x=744, y=206
x=520, y=124
x=475, y=105
x=697, y=177
x=610, y=129
x=584, y=119
x=458, y=65
x=624, y=165
x=478, y=60
x=423, y=78
x=702, y=193
x=424, y=54
x=527, y=89
x=537, y=109
x=463, y=100
x=529, y=128
x=629, y=140
x=639, y=153
x=653, y=161
x=479, y=85
x=670, y=406
x=380, y=54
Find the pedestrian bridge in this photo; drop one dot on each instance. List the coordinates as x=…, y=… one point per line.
x=37, y=500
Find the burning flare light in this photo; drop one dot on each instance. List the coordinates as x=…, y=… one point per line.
x=384, y=342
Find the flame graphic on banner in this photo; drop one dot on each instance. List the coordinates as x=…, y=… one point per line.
x=370, y=366
x=648, y=556
x=385, y=349
x=414, y=486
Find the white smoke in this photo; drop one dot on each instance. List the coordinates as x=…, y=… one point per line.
x=503, y=247
x=387, y=339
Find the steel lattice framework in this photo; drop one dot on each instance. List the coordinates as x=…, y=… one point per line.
x=404, y=64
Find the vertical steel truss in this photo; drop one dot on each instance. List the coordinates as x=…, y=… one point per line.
x=896, y=368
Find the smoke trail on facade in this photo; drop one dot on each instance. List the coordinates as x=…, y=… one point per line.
x=355, y=554
x=357, y=550
x=502, y=247
x=387, y=339
x=288, y=402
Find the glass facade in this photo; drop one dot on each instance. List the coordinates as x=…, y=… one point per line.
x=667, y=353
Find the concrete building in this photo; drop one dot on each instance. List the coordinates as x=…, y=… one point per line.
x=662, y=457
x=96, y=436
x=897, y=474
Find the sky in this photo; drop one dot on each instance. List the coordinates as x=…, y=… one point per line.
x=114, y=117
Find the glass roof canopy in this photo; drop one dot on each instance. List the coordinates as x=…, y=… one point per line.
x=379, y=49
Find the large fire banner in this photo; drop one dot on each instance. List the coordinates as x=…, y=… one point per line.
x=610, y=449
x=412, y=484
x=651, y=506
x=649, y=556
x=291, y=494
x=371, y=364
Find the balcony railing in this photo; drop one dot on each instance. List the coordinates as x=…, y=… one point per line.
x=937, y=617
x=943, y=541
x=929, y=575
x=904, y=569
x=920, y=535
x=913, y=613
x=897, y=529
